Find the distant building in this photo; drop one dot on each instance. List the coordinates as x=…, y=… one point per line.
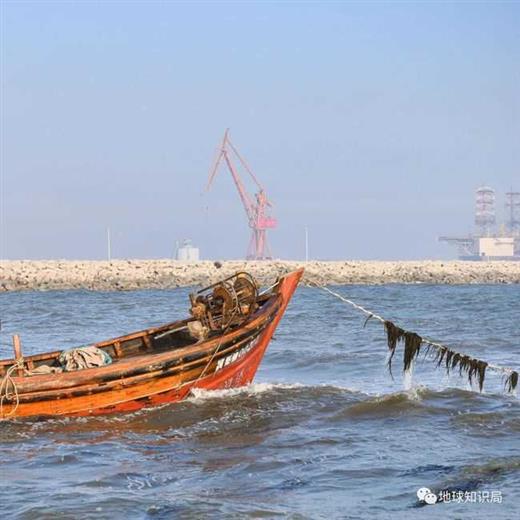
x=496, y=247
x=187, y=252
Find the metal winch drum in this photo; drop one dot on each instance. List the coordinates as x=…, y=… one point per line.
x=226, y=303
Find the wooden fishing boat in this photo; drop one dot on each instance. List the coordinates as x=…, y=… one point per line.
x=219, y=346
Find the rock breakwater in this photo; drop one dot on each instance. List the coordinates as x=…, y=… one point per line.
x=17, y=275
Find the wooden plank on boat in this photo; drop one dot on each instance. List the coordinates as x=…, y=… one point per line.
x=17, y=347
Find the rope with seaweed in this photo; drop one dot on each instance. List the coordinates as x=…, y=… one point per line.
x=472, y=367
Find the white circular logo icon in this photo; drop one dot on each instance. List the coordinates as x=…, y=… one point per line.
x=422, y=492
x=425, y=495
x=430, y=498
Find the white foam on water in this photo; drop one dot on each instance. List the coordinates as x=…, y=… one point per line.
x=408, y=378
x=201, y=394
x=198, y=395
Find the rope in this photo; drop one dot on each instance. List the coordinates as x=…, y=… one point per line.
x=215, y=351
x=437, y=346
x=267, y=289
x=6, y=393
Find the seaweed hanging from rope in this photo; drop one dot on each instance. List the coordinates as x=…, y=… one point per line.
x=511, y=381
x=393, y=335
x=472, y=368
x=412, y=346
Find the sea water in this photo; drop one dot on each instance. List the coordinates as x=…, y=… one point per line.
x=324, y=432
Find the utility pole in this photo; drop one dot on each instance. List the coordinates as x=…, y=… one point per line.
x=109, y=246
x=306, y=244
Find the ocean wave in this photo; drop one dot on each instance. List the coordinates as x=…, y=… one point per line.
x=473, y=477
x=198, y=395
x=326, y=403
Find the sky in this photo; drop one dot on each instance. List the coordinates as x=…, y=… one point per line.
x=369, y=123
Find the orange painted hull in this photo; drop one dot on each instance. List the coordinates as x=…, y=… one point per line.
x=231, y=363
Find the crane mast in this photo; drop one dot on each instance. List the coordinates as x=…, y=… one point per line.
x=257, y=208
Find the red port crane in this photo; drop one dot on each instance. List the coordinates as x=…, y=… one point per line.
x=257, y=207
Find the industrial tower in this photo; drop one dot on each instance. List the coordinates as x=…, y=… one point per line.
x=513, y=217
x=513, y=212
x=485, y=215
x=257, y=208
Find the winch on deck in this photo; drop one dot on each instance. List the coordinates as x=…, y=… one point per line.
x=227, y=303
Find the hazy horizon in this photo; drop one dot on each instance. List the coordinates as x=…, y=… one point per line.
x=371, y=124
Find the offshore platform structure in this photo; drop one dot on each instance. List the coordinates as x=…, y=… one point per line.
x=485, y=213
x=513, y=213
x=488, y=243
x=257, y=207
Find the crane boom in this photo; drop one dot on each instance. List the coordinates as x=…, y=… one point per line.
x=255, y=208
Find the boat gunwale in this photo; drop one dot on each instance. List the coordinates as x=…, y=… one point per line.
x=119, y=369
x=93, y=387
x=101, y=344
